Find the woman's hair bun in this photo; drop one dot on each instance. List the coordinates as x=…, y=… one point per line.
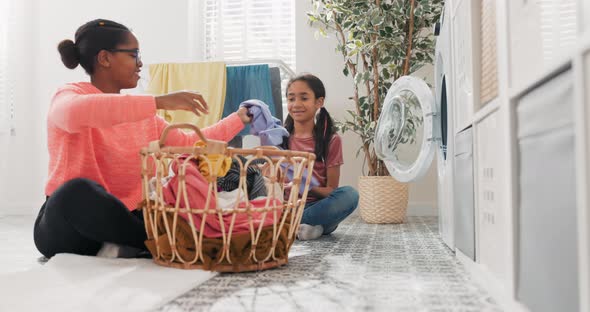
x=70, y=55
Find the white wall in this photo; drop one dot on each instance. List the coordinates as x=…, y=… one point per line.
x=164, y=36
x=20, y=172
x=320, y=58
x=162, y=30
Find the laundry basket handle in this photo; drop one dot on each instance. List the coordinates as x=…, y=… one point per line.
x=196, y=129
x=269, y=147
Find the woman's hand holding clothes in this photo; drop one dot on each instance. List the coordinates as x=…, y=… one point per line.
x=244, y=115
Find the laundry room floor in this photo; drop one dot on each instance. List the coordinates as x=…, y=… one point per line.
x=360, y=267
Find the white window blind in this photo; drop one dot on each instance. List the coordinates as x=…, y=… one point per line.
x=240, y=30
x=6, y=82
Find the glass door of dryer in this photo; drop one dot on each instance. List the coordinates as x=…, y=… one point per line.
x=409, y=129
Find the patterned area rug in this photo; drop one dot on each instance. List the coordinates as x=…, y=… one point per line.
x=360, y=267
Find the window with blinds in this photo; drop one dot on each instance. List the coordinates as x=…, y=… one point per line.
x=238, y=30
x=6, y=83
x=245, y=30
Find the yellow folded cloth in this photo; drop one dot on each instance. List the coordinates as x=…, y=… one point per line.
x=207, y=78
x=219, y=162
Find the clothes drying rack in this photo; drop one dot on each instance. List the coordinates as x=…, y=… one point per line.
x=279, y=63
x=142, y=86
x=284, y=68
x=288, y=71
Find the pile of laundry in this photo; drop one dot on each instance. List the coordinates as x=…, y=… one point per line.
x=229, y=195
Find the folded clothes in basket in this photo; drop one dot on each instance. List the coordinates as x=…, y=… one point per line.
x=197, y=190
x=254, y=179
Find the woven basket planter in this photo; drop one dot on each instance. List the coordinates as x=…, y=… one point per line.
x=382, y=199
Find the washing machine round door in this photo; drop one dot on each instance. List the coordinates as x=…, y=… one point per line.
x=406, y=135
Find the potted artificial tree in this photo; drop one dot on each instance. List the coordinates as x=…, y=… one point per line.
x=380, y=41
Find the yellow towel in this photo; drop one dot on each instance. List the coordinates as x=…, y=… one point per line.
x=207, y=78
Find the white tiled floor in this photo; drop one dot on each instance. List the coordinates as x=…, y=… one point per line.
x=361, y=267
x=17, y=250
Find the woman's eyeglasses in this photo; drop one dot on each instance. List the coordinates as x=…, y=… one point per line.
x=135, y=53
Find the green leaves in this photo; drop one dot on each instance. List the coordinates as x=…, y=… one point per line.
x=376, y=17
x=362, y=27
x=385, y=73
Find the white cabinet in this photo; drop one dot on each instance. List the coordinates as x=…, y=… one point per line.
x=493, y=246
x=464, y=213
x=582, y=113
x=526, y=93
x=547, y=230
x=541, y=33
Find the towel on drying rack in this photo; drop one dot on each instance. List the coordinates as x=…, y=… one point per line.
x=247, y=82
x=207, y=78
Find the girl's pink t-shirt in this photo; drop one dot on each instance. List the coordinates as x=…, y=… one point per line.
x=320, y=169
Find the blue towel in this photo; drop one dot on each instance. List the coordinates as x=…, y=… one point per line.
x=247, y=82
x=263, y=124
x=277, y=94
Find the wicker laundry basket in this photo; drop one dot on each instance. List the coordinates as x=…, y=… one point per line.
x=382, y=199
x=248, y=237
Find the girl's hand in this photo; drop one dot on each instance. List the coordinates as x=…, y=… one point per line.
x=183, y=100
x=244, y=116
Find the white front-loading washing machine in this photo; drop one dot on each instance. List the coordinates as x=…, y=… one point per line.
x=443, y=90
x=409, y=152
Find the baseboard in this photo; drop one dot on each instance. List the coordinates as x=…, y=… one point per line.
x=420, y=209
x=486, y=279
